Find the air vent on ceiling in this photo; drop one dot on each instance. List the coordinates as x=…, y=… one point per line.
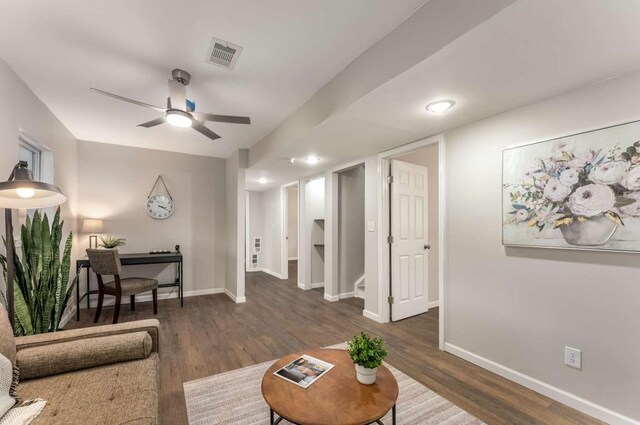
x=222, y=53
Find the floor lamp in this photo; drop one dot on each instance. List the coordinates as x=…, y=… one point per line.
x=20, y=191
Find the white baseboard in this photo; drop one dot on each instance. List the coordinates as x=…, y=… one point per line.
x=317, y=285
x=146, y=297
x=331, y=298
x=572, y=400
x=303, y=287
x=371, y=315
x=233, y=297
x=272, y=273
x=293, y=259
x=347, y=295
x=433, y=304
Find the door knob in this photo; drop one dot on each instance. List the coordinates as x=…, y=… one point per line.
x=427, y=247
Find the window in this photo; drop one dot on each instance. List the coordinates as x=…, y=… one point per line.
x=32, y=155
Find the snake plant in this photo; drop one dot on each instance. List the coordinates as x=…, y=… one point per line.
x=41, y=282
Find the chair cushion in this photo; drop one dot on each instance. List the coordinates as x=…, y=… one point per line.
x=115, y=394
x=52, y=359
x=134, y=285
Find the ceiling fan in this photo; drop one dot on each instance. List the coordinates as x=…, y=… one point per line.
x=180, y=112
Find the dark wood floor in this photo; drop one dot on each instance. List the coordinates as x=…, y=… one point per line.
x=211, y=334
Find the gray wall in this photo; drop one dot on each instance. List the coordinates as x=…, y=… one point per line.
x=21, y=109
x=519, y=307
x=292, y=221
x=351, y=228
x=114, y=184
x=428, y=157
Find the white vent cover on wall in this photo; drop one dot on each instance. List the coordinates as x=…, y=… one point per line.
x=257, y=245
x=254, y=261
x=222, y=53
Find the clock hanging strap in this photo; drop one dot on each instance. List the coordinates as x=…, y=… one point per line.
x=160, y=179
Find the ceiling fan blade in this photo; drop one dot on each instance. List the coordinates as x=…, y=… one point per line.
x=135, y=102
x=221, y=118
x=200, y=127
x=178, y=95
x=153, y=123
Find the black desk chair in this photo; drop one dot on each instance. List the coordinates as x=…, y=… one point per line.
x=107, y=262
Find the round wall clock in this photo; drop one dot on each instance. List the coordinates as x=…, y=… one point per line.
x=160, y=206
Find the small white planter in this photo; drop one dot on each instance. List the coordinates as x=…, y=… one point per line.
x=365, y=375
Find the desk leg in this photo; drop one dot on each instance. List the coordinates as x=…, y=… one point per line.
x=88, y=288
x=181, y=286
x=77, y=297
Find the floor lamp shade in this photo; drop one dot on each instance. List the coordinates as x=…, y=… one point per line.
x=21, y=191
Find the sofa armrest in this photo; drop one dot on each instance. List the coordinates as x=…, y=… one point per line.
x=151, y=326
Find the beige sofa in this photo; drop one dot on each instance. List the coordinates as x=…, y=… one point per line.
x=101, y=375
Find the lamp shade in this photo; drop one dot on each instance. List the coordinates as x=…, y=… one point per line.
x=90, y=225
x=21, y=191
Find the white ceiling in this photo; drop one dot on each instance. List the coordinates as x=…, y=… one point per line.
x=291, y=49
x=530, y=51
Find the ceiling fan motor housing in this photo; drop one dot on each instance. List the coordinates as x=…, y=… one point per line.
x=181, y=76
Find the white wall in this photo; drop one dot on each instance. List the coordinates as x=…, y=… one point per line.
x=351, y=228
x=428, y=157
x=272, y=225
x=292, y=222
x=21, y=109
x=236, y=166
x=114, y=184
x=519, y=307
x=314, y=211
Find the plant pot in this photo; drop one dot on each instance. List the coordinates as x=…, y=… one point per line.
x=365, y=375
x=595, y=231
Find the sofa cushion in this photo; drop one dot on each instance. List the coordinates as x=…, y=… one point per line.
x=109, y=395
x=62, y=357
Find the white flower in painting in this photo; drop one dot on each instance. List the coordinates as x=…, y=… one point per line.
x=581, y=159
x=569, y=177
x=561, y=147
x=548, y=215
x=556, y=191
x=633, y=195
x=632, y=180
x=610, y=172
x=632, y=210
x=591, y=200
x=520, y=216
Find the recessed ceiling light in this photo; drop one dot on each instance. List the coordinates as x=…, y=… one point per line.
x=289, y=160
x=441, y=106
x=262, y=180
x=312, y=159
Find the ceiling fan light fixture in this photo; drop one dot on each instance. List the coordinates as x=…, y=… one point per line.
x=312, y=160
x=440, y=106
x=178, y=118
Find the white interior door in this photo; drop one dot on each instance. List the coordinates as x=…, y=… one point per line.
x=409, y=247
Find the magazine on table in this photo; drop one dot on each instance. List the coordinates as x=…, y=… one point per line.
x=304, y=371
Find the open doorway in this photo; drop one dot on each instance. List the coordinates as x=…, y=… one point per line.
x=411, y=234
x=351, y=232
x=290, y=229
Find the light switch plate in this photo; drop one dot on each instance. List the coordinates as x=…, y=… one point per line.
x=573, y=357
x=371, y=226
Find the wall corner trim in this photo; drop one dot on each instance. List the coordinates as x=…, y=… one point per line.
x=371, y=315
x=331, y=298
x=433, y=304
x=562, y=396
x=274, y=274
x=233, y=297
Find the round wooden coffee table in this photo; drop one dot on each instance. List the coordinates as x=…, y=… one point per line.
x=337, y=398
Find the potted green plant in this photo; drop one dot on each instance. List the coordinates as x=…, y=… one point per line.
x=111, y=242
x=367, y=353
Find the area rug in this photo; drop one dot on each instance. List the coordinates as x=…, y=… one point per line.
x=235, y=398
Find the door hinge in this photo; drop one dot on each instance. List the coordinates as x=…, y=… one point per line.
x=389, y=179
x=390, y=299
x=389, y=239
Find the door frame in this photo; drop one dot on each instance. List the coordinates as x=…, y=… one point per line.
x=284, y=197
x=384, y=204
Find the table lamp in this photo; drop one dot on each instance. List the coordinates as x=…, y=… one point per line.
x=21, y=191
x=93, y=227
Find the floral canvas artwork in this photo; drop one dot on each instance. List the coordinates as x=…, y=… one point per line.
x=580, y=191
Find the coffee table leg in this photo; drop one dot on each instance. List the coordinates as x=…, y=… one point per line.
x=393, y=415
x=271, y=416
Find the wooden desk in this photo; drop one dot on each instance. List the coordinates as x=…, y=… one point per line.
x=131, y=260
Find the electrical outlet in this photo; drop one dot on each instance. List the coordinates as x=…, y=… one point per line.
x=573, y=357
x=371, y=226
